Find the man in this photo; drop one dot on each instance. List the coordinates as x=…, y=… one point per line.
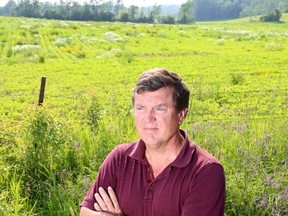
x=163, y=173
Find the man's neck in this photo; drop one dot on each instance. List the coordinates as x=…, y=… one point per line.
x=160, y=158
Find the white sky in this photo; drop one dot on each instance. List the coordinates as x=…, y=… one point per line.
x=126, y=2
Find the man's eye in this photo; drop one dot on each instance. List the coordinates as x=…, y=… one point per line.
x=161, y=109
x=139, y=108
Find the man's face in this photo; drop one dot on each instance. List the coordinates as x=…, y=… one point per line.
x=156, y=118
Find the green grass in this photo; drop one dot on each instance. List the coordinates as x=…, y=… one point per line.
x=236, y=71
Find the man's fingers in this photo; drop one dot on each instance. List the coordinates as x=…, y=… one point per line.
x=107, y=200
x=97, y=207
x=101, y=202
x=113, y=198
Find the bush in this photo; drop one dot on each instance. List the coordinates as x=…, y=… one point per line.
x=124, y=16
x=9, y=53
x=184, y=19
x=93, y=114
x=49, y=162
x=167, y=19
x=42, y=59
x=237, y=79
x=273, y=16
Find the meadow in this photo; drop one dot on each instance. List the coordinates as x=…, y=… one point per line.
x=237, y=72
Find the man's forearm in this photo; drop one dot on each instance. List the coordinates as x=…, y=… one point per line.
x=88, y=212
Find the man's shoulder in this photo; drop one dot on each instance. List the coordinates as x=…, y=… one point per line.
x=125, y=148
x=202, y=157
x=205, y=155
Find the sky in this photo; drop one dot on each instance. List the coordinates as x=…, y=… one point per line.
x=126, y=2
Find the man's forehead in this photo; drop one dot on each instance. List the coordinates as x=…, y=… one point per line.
x=155, y=98
x=157, y=93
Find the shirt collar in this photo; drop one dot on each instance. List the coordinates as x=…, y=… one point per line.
x=185, y=155
x=137, y=151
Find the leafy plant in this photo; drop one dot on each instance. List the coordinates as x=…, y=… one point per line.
x=94, y=114
x=48, y=161
x=237, y=79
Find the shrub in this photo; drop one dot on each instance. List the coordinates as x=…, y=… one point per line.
x=50, y=160
x=167, y=19
x=9, y=53
x=124, y=16
x=237, y=79
x=273, y=16
x=42, y=59
x=27, y=49
x=62, y=41
x=112, y=37
x=93, y=114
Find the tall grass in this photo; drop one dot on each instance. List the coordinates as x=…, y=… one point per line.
x=55, y=170
x=254, y=155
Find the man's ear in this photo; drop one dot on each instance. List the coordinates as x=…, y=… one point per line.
x=182, y=114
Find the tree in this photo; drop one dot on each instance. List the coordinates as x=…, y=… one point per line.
x=273, y=16
x=283, y=6
x=258, y=7
x=106, y=11
x=76, y=11
x=133, y=13
x=94, y=8
x=168, y=19
x=142, y=18
x=64, y=9
x=9, y=8
x=186, y=12
x=123, y=16
x=87, y=12
x=106, y=16
x=28, y=8
x=51, y=14
x=154, y=14
x=118, y=7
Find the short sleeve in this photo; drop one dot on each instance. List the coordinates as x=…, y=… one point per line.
x=107, y=176
x=206, y=195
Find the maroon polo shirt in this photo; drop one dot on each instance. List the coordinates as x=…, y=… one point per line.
x=192, y=185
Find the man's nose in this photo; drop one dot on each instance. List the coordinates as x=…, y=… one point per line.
x=150, y=115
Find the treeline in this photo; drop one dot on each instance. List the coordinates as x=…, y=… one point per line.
x=96, y=10
x=206, y=10
x=103, y=10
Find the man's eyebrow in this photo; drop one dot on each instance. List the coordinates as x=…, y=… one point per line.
x=161, y=104
x=157, y=105
x=139, y=105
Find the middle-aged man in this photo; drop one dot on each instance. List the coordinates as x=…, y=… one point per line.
x=163, y=173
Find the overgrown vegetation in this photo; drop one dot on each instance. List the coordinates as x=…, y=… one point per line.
x=189, y=11
x=236, y=72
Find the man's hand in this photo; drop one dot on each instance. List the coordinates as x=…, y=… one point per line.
x=107, y=202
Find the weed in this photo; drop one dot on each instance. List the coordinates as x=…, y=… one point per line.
x=112, y=37
x=48, y=161
x=41, y=59
x=9, y=53
x=93, y=114
x=237, y=79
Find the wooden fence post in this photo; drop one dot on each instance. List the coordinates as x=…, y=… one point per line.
x=42, y=91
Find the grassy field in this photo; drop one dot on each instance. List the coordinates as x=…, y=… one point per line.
x=237, y=72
